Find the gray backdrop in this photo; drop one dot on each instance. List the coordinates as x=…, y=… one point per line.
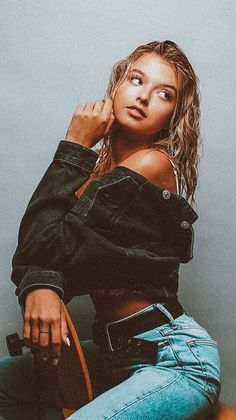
x=58, y=54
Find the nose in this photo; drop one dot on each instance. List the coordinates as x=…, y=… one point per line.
x=143, y=98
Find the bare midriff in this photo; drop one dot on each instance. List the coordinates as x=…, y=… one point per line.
x=112, y=308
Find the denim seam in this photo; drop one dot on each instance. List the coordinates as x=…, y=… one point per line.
x=165, y=311
x=45, y=285
x=186, y=327
x=197, y=387
x=206, y=341
x=73, y=164
x=76, y=149
x=200, y=364
x=168, y=330
x=175, y=353
x=43, y=273
x=143, y=185
x=145, y=396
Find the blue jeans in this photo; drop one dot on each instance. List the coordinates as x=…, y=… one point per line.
x=183, y=383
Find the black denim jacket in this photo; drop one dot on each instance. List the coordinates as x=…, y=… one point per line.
x=123, y=231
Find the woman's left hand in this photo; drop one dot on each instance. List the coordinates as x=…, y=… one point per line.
x=45, y=325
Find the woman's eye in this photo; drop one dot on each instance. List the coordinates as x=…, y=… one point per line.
x=165, y=94
x=136, y=79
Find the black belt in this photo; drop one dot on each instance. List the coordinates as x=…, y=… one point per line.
x=118, y=335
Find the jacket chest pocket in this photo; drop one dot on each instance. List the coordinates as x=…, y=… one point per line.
x=103, y=204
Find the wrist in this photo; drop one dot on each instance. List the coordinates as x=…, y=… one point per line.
x=83, y=142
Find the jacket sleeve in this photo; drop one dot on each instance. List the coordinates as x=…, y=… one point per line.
x=44, y=217
x=58, y=249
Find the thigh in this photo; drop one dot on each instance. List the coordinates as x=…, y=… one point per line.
x=23, y=384
x=17, y=378
x=197, y=355
x=22, y=391
x=101, y=376
x=176, y=386
x=150, y=393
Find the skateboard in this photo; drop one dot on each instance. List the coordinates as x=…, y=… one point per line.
x=70, y=378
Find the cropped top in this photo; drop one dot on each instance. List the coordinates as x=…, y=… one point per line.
x=123, y=232
x=124, y=291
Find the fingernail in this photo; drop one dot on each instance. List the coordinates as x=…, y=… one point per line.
x=68, y=341
x=45, y=359
x=55, y=362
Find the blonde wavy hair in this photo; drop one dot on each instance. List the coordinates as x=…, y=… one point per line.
x=182, y=138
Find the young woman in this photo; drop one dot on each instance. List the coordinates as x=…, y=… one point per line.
x=116, y=224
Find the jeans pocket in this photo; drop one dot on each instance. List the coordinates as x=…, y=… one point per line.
x=206, y=353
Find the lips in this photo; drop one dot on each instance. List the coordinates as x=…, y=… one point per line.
x=137, y=110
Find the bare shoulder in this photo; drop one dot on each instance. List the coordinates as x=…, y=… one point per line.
x=154, y=165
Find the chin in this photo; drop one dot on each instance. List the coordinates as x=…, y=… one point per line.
x=127, y=123
x=133, y=128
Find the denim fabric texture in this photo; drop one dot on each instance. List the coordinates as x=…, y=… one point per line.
x=124, y=231
x=183, y=382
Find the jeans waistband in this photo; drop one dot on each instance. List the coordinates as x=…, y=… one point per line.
x=111, y=335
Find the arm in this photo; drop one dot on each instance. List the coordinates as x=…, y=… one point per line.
x=44, y=322
x=52, y=200
x=38, y=283
x=55, y=196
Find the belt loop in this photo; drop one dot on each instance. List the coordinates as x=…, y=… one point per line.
x=165, y=311
x=108, y=337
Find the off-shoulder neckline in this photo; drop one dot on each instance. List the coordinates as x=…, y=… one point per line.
x=160, y=189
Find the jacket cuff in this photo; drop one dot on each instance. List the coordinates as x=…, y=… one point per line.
x=76, y=154
x=40, y=280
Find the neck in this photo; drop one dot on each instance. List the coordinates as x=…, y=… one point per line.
x=123, y=144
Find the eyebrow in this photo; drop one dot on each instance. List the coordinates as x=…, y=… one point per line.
x=162, y=84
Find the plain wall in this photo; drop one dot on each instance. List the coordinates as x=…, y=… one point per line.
x=58, y=54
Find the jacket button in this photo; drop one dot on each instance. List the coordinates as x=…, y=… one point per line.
x=166, y=194
x=185, y=224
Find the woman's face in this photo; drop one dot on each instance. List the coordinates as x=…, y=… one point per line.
x=151, y=85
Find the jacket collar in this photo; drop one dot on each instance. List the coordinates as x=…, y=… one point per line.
x=177, y=205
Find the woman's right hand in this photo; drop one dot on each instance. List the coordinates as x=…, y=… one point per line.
x=90, y=123
x=45, y=324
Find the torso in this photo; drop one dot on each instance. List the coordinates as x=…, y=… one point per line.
x=109, y=307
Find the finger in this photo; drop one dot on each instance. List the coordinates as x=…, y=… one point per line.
x=64, y=329
x=88, y=107
x=99, y=105
x=34, y=332
x=107, y=107
x=44, y=340
x=109, y=125
x=27, y=332
x=79, y=109
x=55, y=350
